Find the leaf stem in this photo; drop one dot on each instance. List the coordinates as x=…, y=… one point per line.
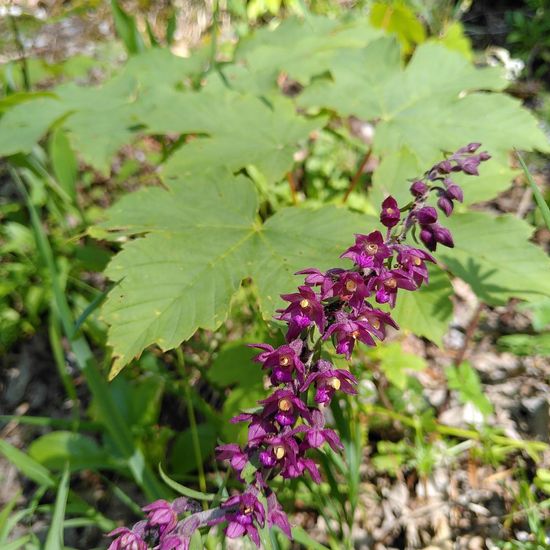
x=22, y=55
x=192, y=422
x=357, y=175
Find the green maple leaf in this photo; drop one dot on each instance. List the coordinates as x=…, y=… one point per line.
x=494, y=256
x=298, y=48
x=422, y=109
x=202, y=238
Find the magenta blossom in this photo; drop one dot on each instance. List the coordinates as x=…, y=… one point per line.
x=328, y=380
x=389, y=282
x=390, y=214
x=304, y=310
x=282, y=361
x=245, y=513
x=369, y=251
x=129, y=539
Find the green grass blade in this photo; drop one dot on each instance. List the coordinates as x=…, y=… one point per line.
x=545, y=211
x=183, y=490
x=16, y=544
x=27, y=465
x=45, y=421
x=300, y=536
x=114, y=422
x=54, y=540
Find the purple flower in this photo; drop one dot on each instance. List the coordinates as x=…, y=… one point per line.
x=276, y=515
x=324, y=280
x=317, y=435
x=346, y=331
x=174, y=542
x=128, y=539
x=304, y=309
x=328, y=380
x=284, y=406
x=258, y=428
x=244, y=513
x=412, y=261
x=162, y=515
x=351, y=288
x=390, y=214
x=282, y=361
x=234, y=454
x=389, y=282
x=454, y=191
x=282, y=450
x=368, y=250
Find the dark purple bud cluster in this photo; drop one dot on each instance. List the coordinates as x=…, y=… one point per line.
x=337, y=305
x=438, y=180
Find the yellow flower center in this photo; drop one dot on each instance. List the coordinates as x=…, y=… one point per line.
x=371, y=248
x=304, y=304
x=279, y=451
x=417, y=260
x=351, y=286
x=391, y=283
x=285, y=405
x=335, y=383
x=375, y=323
x=247, y=510
x=355, y=334
x=390, y=210
x=284, y=360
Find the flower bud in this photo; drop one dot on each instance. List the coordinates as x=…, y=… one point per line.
x=454, y=191
x=426, y=215
x=419, y=188
x=390, y=214
x=428, y=238
x=443, y=235
x=445, y=205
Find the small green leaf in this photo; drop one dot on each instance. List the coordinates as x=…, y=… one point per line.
x=27, y=465
x=196, y=541
x=465, y=380
x=182, y=461
x=182, y=490
x=301, y=537
x=234, y=365
x=53, y=450
x=64, y=162
x=394, y=362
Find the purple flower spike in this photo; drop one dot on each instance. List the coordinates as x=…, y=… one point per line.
x=390, y=214
x=127, y=539
x=290, y=423
x=245, y=512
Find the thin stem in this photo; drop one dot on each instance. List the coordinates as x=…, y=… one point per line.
x=470, y=330
x=22, y=55
x=357, y=175
x=292, y=185
x=192, y=422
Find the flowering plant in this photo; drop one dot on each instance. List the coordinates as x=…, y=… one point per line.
x=337, y=305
